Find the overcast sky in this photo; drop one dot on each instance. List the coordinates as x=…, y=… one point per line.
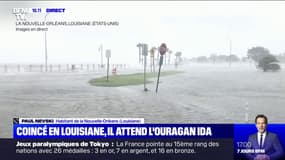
x=194, y=28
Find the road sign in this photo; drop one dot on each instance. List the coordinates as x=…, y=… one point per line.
x=144, y=49
x=162, y=49
x=108, y=53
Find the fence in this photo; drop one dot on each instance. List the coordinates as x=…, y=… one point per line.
x=57, y=67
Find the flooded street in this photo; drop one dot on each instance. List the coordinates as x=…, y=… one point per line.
x=204, y=93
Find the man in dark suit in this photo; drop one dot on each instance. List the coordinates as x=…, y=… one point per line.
x=264, y=140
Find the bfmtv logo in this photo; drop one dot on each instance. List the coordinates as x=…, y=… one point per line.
x=15, y=120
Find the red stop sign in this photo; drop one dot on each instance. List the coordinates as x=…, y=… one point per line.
x=162, y=49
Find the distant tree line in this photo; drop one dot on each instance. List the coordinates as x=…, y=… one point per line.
x=259, y=55
x=215, y=58
x=263, y=58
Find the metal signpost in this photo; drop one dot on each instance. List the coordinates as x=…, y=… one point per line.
x=162, y=51
x=108, y=55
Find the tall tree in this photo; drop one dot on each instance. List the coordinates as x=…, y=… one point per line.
x=257, y=53
x=139, y=45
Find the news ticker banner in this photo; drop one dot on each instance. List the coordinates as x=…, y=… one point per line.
x=49, y=138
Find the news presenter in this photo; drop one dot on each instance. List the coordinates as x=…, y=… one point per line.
x=264, y=140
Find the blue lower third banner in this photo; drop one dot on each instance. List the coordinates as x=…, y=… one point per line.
x=143, y=142
x=123, y=141
x=122, y=131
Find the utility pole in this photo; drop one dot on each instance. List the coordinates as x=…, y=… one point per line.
x=230, y=58
x=108, y=55
x=46, y=54
x=101, y=49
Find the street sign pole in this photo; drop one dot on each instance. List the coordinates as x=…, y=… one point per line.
x=160, y=64
x=162, y=51
x=108, y=69
x=108, y=55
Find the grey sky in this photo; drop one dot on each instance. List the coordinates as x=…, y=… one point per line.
x=195, y=28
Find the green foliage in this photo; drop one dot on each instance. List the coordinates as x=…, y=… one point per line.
x=257, y=53
x=217, y=58
x=265, y=60
x=127, y=79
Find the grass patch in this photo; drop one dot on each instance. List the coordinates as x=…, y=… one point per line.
x=128, y=79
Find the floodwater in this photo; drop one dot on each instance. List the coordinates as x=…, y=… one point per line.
x=204, y=93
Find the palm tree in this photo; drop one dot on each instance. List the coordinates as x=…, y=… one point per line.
x=152, y=54
x=140, y=54
x=169, y=55
x=178, y=58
